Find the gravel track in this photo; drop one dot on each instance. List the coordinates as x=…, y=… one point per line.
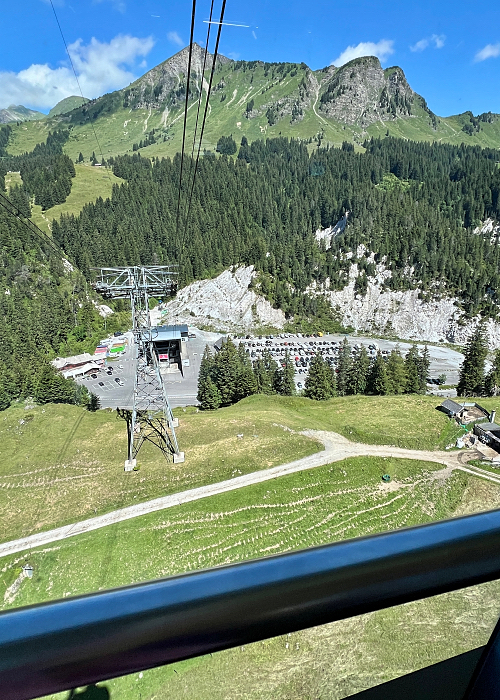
x=336, y=448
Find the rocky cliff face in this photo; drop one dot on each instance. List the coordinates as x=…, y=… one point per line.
x=166, y=82
x=404, y=314
x=361, y=92
x=225, y=303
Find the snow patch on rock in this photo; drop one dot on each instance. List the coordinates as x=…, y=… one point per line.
x=225, y=302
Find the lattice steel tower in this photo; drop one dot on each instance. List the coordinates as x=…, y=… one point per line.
x=150, y=417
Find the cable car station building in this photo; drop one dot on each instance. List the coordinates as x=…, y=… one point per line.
x=168, y=343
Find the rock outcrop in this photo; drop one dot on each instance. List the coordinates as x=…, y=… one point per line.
x=404, y=314
x=361, y=92
x=225, y=303
x=159, y=85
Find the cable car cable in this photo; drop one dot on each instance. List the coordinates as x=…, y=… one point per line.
x=214, y=61
x=185, y=115
x=76, y=76
x=202, y=77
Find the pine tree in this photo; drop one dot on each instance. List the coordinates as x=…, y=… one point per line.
x=471, y=374
x=246, y=384
x=43, y=387
x=343, y=368
x=208, y=395
x=264, y=370
x=358, y=374
x=94, y=404
x=288, y=387
x=423, y=369
x=283, y=380
x=396, y=372
x=378, y=383
x=320, y=382
x=492, y=381
x=412, y=365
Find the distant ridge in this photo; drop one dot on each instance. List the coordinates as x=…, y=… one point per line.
x=256, y=100
x=18, y=113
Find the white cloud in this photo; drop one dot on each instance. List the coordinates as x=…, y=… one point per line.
x=489, y=51
x=382, y=49
x=254, y=34
x=420, y=45
x=100, y=68
x=175, y=39
x=436, y=39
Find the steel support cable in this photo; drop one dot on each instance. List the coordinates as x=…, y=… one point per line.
x=54, y=646
x=185, y=115
x=76, y=76
x=214, y=60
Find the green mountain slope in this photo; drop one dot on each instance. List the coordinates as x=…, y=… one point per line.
x=66, y=105
x=18, y=113
x=257, y=100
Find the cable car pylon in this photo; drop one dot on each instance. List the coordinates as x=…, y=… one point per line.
x=150, y=417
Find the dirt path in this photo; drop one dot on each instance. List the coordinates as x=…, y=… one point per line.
x=336, y=449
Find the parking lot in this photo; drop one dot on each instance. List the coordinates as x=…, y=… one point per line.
x=182, y=386
x=302, y=349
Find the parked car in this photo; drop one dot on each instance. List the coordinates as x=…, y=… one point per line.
x=94, y=376
x=101, y=383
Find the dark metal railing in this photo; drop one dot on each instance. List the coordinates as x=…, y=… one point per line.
x=74, y=642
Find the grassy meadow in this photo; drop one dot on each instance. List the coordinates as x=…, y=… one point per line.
x=61, y=463
x=304, y=509
x=88, y=184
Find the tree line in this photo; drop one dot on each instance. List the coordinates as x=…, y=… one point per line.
x=45, y=312
x=474, y=380
x=46, y=173
x=229, y=375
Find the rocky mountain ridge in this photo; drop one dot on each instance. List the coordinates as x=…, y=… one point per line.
x=18, y=113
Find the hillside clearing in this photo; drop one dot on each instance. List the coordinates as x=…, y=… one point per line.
x=89, y=183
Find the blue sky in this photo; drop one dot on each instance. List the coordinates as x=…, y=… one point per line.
x=450, y=51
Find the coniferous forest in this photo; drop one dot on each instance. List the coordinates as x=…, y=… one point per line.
x=413, y=204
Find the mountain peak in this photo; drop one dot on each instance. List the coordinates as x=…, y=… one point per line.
x=362, y=92
x=19, y=113
x=164, y=85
